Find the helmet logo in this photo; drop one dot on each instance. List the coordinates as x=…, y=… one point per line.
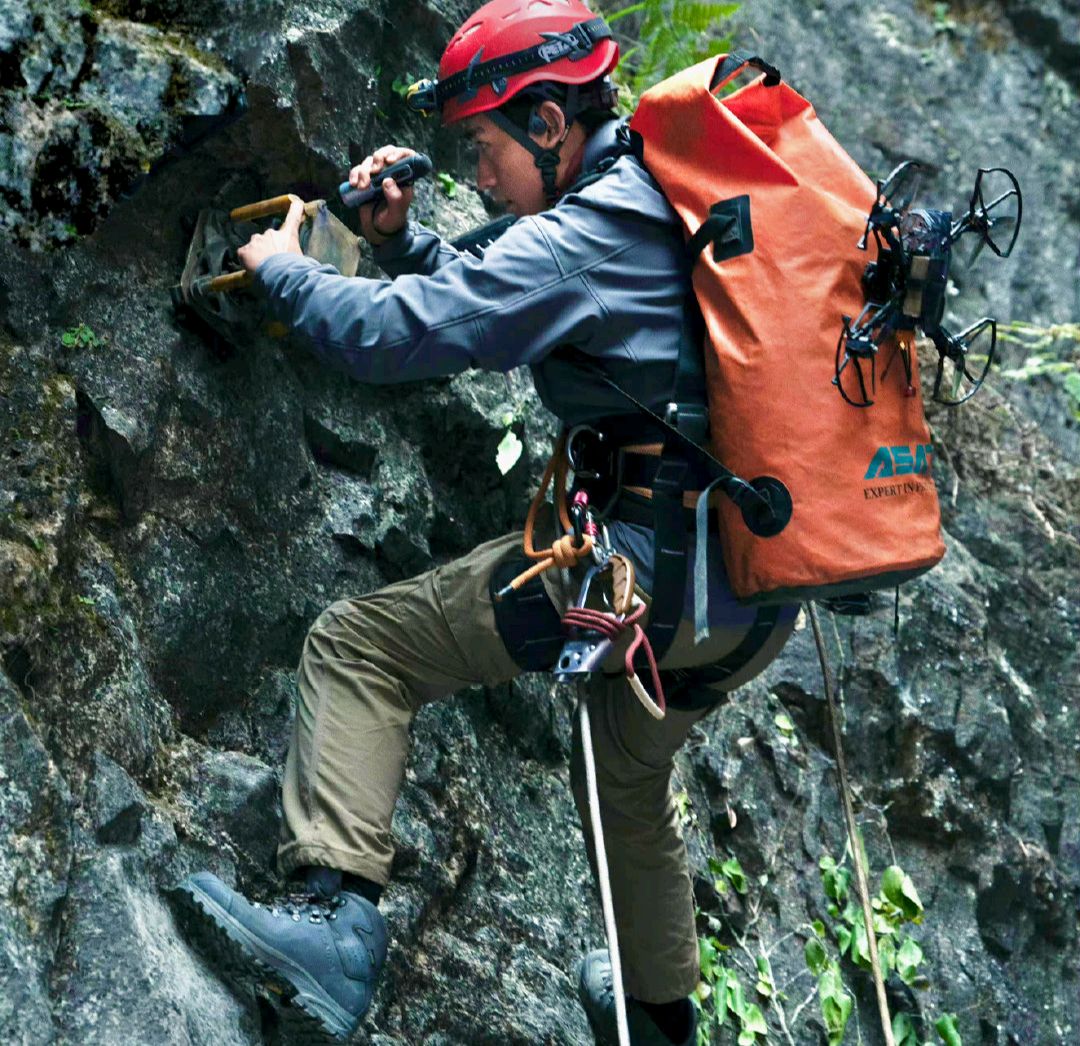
x=574, y=43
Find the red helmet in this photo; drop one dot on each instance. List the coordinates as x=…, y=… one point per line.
x=509, y=44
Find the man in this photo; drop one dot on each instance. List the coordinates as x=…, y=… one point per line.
x=591, y=283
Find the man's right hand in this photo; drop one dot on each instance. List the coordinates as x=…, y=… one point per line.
x=380, y=221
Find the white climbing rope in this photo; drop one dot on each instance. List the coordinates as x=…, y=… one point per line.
x=602, y=870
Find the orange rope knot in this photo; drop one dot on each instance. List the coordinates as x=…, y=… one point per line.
x=565, y=554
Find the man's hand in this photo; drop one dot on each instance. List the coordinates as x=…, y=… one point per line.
x=378, y=222
x=285, y=240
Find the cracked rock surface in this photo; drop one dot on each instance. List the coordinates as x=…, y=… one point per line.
x=175, y=512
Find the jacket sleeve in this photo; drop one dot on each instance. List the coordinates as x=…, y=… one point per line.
x=413, y=250
x=510, y=307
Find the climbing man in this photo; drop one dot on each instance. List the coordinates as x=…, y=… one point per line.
x=590, y=284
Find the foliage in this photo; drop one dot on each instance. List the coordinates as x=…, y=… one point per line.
x=508, y=452
x=662, y=37
x=720, y=997
x=447, y=184
x=401, y=85
x=1052, y=352
x=734, y=954
x=81, y=337
x=943, y=20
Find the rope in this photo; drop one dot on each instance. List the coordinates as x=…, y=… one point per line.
x=853, y=839
x=602, y=872
x=563, y=553
x=611, y=627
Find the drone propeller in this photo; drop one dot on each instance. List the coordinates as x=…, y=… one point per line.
x=894, y=196
x=996, y=222
x=961, y=370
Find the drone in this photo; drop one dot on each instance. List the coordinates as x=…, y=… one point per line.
x=906, y=286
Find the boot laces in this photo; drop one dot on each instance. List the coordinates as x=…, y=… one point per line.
x=297, y=906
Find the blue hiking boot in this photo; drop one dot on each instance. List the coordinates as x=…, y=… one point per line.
x=596, y=991
x=320, y=950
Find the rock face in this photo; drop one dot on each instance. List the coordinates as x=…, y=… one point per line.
x=175, y=512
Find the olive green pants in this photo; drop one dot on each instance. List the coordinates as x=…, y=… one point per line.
x=369, y=663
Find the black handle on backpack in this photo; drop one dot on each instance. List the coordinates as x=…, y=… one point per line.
x=735, y=61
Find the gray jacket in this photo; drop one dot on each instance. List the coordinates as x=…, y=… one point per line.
x=604, y=271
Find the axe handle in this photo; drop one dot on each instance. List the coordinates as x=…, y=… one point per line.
x=263, y=209
x=231, y=281
x=279, y=205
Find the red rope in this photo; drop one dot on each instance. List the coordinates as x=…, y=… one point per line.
x=610, y=627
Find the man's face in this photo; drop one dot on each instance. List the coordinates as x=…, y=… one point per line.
x=504, y=169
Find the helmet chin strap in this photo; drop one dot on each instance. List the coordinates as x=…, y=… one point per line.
x=546, y=159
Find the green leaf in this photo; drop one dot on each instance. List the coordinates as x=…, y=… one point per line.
x=903, y=1029
x=860, y=947
x=447, y=184
x=818, y=927
x=508, y=452
x=86, y=601
x=784, y=723
x=734, y=874
x=907, y=960
x=707, y=959
x=736, y=1000
x=816, y=956
x=843, y=939
x=754, y=1021
x=887, y=955
x=836, y=1008
x=945, y=1026
x=69, y=338
x=834, y=879
x=897, y=886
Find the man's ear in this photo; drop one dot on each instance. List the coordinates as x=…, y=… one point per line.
x=553, y=121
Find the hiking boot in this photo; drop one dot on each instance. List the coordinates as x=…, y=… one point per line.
x=321, y=949
x=597, y=993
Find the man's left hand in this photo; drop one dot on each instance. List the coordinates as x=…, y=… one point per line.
x=285, y=240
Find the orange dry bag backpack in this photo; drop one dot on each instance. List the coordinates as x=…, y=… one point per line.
x=776, y=209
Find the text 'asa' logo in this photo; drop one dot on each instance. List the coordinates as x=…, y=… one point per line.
x=900, y=461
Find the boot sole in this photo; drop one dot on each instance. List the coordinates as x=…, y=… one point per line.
x=308, y=1014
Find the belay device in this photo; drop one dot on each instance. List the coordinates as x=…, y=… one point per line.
x=775, y=217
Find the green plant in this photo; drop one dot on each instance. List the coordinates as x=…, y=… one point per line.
x=671, y=34
x=81, y=337
x=401, y=85
x=895, y=905
x=1053, y=352
x=447, y=184
x=944, y=23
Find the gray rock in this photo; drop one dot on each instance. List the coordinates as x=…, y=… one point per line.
x=124, y=976
x=35, y=851
x=116, y=804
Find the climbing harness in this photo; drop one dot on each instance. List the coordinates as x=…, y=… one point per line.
x=593, y=632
